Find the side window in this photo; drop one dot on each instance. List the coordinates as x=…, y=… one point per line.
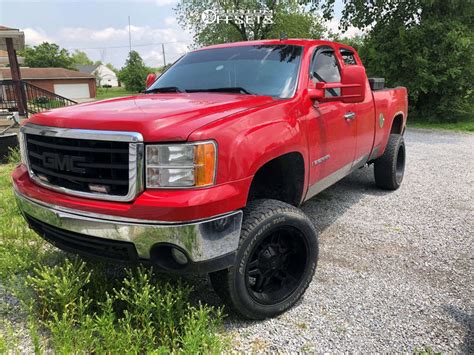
x=325, y=69
x=348, y=57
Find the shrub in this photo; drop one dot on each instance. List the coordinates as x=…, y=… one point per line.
x=73, y=306
x=41, y=100
x=142, y=314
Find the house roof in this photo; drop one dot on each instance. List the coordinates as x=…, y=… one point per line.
x=5, y=28
x=86, y=68
x=47, y=73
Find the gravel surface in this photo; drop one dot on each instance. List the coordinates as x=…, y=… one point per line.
x=395, y=268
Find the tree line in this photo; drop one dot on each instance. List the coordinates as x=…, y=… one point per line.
x=425, y=45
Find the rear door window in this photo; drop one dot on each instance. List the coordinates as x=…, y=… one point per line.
x=348, y=56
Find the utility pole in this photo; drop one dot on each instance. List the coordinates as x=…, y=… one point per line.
x=129, y=36
x=163, y=49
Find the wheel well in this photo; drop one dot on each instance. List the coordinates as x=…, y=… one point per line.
x=281, y=179
x=397, y=124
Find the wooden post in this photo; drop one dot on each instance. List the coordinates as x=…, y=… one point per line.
x=16, y=77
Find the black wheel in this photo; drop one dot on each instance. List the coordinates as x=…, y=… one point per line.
x=390, y=167
x=275, y=262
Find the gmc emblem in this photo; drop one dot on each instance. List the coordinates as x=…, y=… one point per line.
x=63, y=162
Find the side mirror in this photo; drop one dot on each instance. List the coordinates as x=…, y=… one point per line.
x=354, y=80
x=352, y=86
x=150, y=79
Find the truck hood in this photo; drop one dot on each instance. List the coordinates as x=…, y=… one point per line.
x=158, y=117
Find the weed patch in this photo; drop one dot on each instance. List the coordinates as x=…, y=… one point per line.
x=76, y=306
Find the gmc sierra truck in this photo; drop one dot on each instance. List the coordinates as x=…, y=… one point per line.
x=205, y=170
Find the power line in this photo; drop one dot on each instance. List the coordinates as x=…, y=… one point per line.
x=128, y=45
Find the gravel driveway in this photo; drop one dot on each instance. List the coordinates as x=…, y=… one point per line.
x=395, y=269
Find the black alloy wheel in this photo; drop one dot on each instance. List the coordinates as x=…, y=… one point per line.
x=275, y=261
x=276, y=266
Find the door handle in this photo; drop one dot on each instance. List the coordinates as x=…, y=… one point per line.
x=349, y=116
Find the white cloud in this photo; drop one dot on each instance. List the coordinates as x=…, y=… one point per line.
x=114, y=36
x=333, y=26
x=35, y=36
x=111, y=44
x=165, y=2
x=170, y=20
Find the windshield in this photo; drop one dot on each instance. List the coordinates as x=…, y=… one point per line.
x=270, y=70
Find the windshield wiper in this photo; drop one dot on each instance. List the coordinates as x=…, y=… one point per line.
x=164, y=89
x=234, y=89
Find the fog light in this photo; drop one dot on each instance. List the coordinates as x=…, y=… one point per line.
x=179, y=256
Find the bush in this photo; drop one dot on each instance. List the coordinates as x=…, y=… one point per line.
x=39, y=100
x=432, y=58
x=133, y=74
x=14, y=156
x=73, y=306
x=139, y=314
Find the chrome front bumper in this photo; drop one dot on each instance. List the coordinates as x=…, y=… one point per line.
x=201, y=241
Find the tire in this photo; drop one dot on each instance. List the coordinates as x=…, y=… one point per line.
x=275, y=262
x=390, y=167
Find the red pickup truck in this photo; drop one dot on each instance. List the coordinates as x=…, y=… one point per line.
x=204, y=171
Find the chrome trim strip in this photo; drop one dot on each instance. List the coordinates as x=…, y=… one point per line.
x=135, y=155
x=360, y=162
x=374, y=153
x=99, y=135
x=202, y=240
x=327, y=181
x=331, y=179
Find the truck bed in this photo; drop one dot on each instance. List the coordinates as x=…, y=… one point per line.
x=389, y=103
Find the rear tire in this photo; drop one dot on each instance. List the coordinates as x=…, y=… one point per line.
x=275, y=262
x=390, y=167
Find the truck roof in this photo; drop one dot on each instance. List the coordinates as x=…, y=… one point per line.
x=292, y=41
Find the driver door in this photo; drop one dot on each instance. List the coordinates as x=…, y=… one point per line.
x=332, y=133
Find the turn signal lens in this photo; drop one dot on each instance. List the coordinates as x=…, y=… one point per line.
x=205, y=164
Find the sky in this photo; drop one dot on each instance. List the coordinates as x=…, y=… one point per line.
x=100, y=28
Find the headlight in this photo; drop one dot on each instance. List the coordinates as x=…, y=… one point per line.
x=180, y=165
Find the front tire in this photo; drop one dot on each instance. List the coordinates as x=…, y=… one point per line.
x=275, y=262
x=389, y=169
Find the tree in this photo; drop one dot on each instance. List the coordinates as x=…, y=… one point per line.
x=288, y=17
x=47, y=55
x=111, y=67
x=81, y=58
x=134, y=73
x=425, y=45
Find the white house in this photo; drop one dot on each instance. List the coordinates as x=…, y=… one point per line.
x=104, y=75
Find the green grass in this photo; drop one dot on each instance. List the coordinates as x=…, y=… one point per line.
x=74, y=306
x=103, y=93
x=461, y=126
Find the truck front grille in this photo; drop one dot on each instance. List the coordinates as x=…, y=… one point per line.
x=80, y=165
x=103, y=165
